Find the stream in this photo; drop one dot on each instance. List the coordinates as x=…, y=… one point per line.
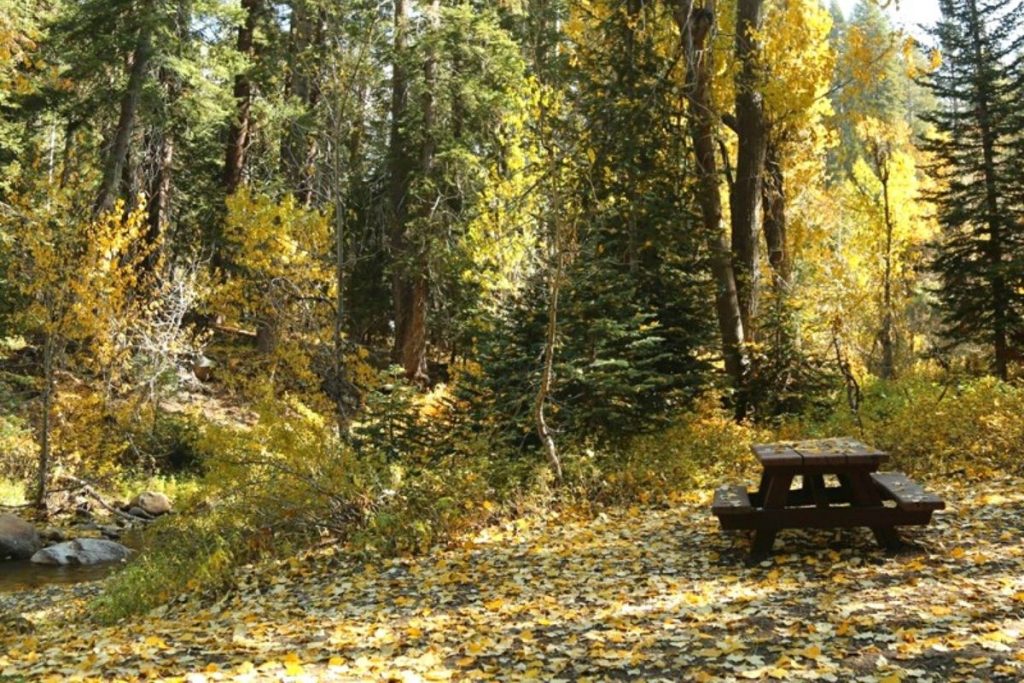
x=17, y=576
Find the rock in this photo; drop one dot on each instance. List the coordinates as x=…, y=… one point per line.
x=202, y=368
x=18, y=538
x=82, y=551
x=152, y=503
x=110, y=531
x=140, y=513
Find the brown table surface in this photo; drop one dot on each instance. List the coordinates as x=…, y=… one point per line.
x=818, y=452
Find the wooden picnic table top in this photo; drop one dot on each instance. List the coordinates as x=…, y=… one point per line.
x=844, y=451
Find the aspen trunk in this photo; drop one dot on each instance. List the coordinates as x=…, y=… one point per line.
x=548, y=372
x=886, y=336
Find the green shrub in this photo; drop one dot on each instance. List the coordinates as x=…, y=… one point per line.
x=169, y=443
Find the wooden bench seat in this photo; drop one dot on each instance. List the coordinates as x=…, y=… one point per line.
x=731, y=499
x=907, y=493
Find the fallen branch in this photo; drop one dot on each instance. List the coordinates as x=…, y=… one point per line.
x=88, y=490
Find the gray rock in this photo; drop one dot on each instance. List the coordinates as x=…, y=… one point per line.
x=82, y=551
x=152, y=502
x=18, y=538
x=140, y=513
x=110, y=531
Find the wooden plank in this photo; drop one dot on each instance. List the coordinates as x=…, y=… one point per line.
x=731, y=499
x=832, y=518
x=776, y=455
x=837, y=451
x=907, y=493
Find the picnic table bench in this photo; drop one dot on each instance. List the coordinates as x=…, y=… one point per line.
x=860, y=499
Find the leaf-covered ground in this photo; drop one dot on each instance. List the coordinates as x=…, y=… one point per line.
x=639, y=594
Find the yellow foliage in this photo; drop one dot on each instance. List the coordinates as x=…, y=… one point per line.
x=281, y=280
x=502, y=236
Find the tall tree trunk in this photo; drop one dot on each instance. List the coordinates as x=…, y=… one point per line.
x=49, y=353
x=298, y=147
x=993, y=215
x=160, y=195
x=410, y=286
x=240, y=130
x=161, y=181
x=694, y=27
x=113, y=167
x=775, y=219
x=409, y=289
x=751, y=129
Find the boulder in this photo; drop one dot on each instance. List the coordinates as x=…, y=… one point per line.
x=82, y=551
x=18, y=538
x=152, y=503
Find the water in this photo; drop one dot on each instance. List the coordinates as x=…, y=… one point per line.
x=23, y=575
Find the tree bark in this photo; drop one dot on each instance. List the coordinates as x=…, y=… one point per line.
x=113, y=167
x=161, y=183
x=240, y=130
x=298, y=147
x=409, y=288
x=694, y=27
x=751, y=129
x=49, y=352
x=160, y=195
x=775, y=219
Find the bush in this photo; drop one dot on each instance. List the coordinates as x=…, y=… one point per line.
x=167, y=443
x=930, y=426
x=700, y=449
x=275, y=487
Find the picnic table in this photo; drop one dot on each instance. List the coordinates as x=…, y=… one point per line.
x=863, y=497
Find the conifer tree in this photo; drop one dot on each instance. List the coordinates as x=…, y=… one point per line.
x=981, y=251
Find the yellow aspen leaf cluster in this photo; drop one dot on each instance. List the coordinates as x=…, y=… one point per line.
x=280, y=279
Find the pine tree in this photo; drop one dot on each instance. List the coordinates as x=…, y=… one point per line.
x=981, y=251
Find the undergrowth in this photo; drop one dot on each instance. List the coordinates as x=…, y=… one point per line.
x=288, y=482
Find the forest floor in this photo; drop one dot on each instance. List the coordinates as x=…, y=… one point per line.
x=637, y=594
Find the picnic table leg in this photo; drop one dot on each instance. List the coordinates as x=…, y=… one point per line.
x=815, y=483
x=776, y=490
x=762, y=490
x=865, y=494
